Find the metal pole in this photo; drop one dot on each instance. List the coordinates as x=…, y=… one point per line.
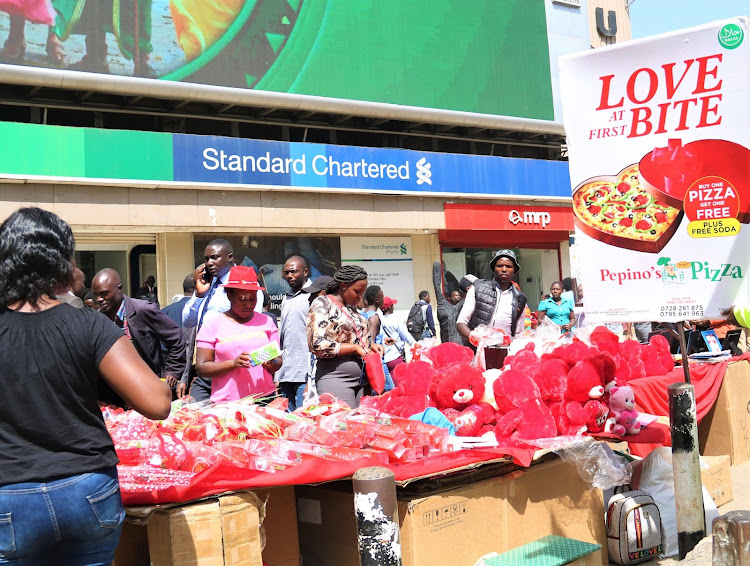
x=377, y=517
x=731, y=544
x=691, y=523
x=683, y=350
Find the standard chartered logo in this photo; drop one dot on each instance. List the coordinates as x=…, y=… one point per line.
x=320, y=164
x=424, y=173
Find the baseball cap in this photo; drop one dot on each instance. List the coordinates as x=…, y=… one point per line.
x=318, y=284
x=388, y=302
x=245, y=278
x=509, y=254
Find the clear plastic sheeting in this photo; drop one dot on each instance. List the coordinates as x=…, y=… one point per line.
x=597, y=464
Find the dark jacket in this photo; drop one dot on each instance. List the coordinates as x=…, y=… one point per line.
x=149, y=328
x=486, y=298
x=446, y=312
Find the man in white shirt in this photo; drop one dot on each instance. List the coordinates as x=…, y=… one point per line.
x=292, y=376
x=497, y=303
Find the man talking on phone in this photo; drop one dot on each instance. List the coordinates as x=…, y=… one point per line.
x=209, y=299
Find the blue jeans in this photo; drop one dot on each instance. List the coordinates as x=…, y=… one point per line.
x=294, y=391
x=74, y=521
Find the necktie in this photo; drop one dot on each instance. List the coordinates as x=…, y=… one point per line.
x=206, y=300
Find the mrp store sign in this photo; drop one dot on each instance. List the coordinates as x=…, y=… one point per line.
x=658, y=132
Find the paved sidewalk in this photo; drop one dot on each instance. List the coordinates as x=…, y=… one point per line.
x=701, y=554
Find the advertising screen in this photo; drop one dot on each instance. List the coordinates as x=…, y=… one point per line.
x=483, y=56
x=659, y=147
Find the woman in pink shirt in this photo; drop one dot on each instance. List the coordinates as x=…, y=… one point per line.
x=225, y=341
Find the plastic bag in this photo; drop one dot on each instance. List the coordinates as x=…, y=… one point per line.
x=597, y=464
x=655, y=475
x=484, y=337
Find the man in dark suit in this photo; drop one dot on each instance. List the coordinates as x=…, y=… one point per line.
x=148, y=292
x=146, y=326
x=174, y=311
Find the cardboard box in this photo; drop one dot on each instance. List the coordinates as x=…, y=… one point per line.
x=221, y=532
x=326, y=524
x=133, y=547
x=726, y=428
x=280, y=526
x=229, y=530
x=460, y=525
x=717, y=478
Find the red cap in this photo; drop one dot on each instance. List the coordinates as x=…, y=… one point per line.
x=388, y=302
x=241, y=277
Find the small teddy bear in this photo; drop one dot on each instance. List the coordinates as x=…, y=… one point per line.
x=622, y=407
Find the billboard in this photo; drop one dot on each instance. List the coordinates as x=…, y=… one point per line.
x=482, y=56
x=659, y=147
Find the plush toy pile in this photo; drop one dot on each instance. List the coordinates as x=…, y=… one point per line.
x=574, y=389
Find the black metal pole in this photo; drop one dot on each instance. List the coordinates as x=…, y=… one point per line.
x=688, y=488
x=731, y=544
x=683, y=350
x=377, y=517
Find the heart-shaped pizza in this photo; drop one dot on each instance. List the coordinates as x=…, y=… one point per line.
x=618, y=211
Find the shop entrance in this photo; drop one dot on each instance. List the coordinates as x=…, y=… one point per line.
x=133, y=261
x=539, y=268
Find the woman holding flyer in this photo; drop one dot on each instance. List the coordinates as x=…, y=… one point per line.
x=237, y=348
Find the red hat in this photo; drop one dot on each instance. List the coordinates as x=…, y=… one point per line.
x=241, y=277
x=388, y=302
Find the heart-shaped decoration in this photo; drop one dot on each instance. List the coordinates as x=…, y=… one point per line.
x=669, y=172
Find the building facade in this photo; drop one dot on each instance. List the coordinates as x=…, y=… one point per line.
x=445, y=145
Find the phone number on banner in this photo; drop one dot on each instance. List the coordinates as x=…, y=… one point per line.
x=682, y=311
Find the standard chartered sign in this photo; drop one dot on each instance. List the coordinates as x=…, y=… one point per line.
x=214, y=160
x=322, y=165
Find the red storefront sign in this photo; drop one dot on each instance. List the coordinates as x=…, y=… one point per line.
x=492, y=225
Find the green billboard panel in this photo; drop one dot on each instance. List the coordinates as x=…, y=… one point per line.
x=487, y=56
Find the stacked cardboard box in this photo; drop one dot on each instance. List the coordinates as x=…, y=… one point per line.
x=726, y=428
x=461, y=524
x=243, y=528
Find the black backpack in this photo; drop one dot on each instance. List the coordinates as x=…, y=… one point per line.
x=415, y=321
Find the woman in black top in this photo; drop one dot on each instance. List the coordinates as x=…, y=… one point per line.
x=59, y=495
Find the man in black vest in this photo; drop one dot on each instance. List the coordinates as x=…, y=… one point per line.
x=498, y=303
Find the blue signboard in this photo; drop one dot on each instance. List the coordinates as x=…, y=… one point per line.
x=236, y=161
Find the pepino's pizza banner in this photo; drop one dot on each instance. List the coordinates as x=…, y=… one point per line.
x=658, y=131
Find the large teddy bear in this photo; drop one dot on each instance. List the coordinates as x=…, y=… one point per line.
x=412, y=394
x=530, y=421
x=581, y=410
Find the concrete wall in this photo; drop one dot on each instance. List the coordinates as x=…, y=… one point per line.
x=621, y=15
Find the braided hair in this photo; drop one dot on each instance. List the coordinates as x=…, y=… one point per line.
x=345, y=274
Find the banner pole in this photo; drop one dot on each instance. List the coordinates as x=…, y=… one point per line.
x=377, y=517
x=688, y=490
x=683, y=350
